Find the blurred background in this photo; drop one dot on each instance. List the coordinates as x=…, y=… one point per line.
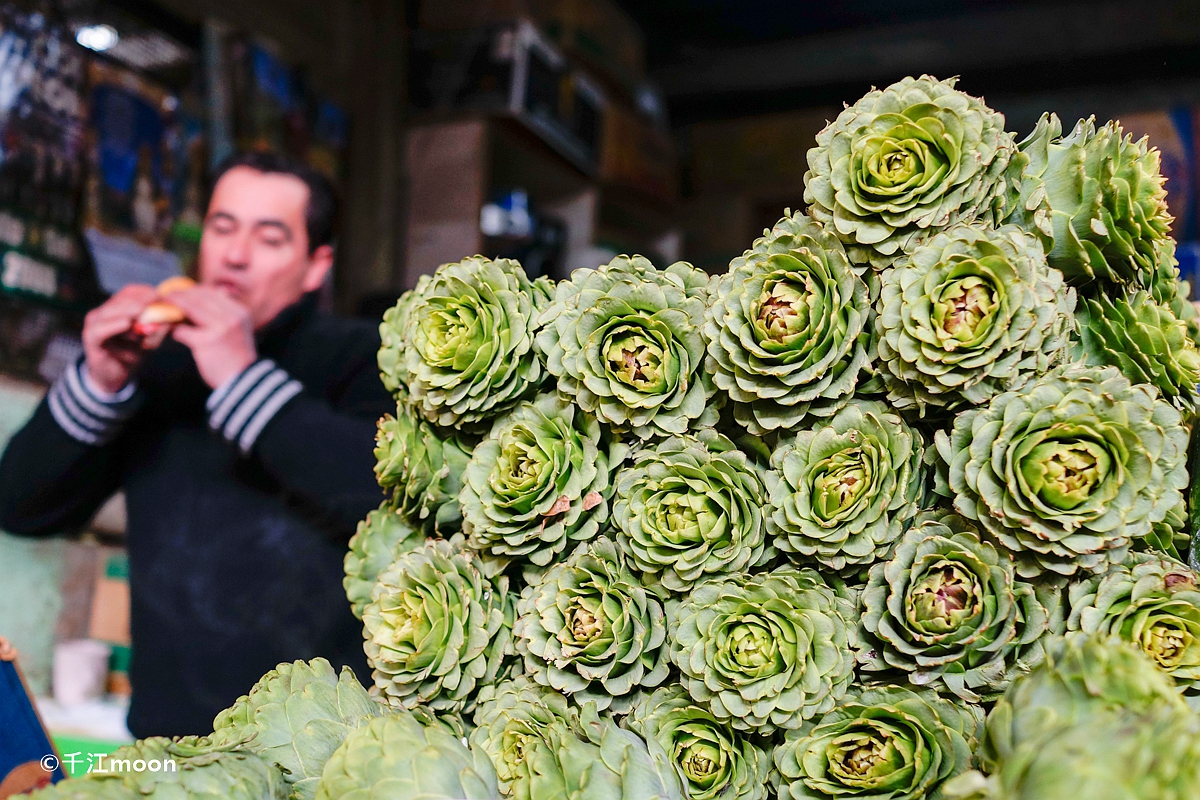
x=558, y=132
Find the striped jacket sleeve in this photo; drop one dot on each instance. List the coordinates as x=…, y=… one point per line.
x=241, y=407
x=88, y=414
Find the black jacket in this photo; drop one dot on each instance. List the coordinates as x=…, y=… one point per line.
x=239, y=513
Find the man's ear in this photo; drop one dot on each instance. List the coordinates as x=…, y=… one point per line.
x=319, y=264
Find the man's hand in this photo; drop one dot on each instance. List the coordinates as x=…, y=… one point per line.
x=112, y=355
x=218, y=331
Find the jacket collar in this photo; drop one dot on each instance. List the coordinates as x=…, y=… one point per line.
x=286, y=322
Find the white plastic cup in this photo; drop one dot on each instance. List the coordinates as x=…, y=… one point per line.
x=80, y=670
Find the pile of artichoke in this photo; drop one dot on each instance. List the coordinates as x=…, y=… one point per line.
x=896, y=508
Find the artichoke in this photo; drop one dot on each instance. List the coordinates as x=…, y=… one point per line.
x=590, y=629
x=458, y=349
x=1094, y=719
x=905, y=162
x=690, y=508
x=968, y=315
x=85, y=789
x=844, y=491
x=511, y=721
x=1066, y=471
x=1080, y=676
x=1150, y=601
x=1169, y=289
x=626, y=344
x=711, y=759
x=380, y=538
x=785, y=328
x=538, y=481
x=193, y=768
x=880, y=742
x=1116, y=755
x=604, y=763
x=436, y=628
x=295, y=717
x=947, y=610
x=423, y=469
x=397, y=757
x=1146, y=341
x=764, y=651
x=1099, y=197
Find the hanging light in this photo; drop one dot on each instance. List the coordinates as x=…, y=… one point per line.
x=97, y=37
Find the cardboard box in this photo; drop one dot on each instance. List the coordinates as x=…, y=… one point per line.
x=510, y=69
x=110, y=603
x=765, y=154
x=596, y=31
x=637, y=156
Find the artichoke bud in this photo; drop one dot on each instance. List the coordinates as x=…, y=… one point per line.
x=637, y=361
x=701, y=762
x=1066, y=474
x=753, y=647
x=584, y=624
x=839, y=482
x=864, y=757
x=963, y=312
x=784, y=310
x=1167, y=644
x=945, y=597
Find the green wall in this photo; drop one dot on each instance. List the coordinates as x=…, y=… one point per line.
x=30, y=570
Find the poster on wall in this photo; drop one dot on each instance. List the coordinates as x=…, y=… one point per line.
x=41, y=131
x=143, y=196
x=268, y=104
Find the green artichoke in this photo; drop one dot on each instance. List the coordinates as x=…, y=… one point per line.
x=968, y=315
x=947, y=610
x=626, y=344
x=880, y=742
x=85, y=789
x=459, y=347
x=1116, y=755
x=193, y=768
x=397, y=757
x=764, y=651
x=604, y=763
x=1095, y=719
x=541, y=479
x=379, y=539
x=436, y=628
x=511, y=720
x=422, y=469
x=1099, y=197
x=1169, y=289
x=590, y=629
x=1067, y=470
x=1080, y=676
x=711, y=759
x=904, y=162
x=690, y=508
x=844, y=491
x=1151, y=601
x=785, y=329
x=1146, y=341
x=295, y=717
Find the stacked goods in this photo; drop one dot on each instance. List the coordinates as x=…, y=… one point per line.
x=894, y=508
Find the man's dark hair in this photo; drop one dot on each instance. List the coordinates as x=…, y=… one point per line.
x=320, y=217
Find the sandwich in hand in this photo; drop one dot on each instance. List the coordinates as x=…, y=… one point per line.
x=158, y=318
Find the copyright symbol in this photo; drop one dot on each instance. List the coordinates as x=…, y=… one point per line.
x=49, y=763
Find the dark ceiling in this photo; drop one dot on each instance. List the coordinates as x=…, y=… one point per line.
x=722, y=58
x=676, y=29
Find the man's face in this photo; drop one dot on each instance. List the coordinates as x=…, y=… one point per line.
x=255, y=243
